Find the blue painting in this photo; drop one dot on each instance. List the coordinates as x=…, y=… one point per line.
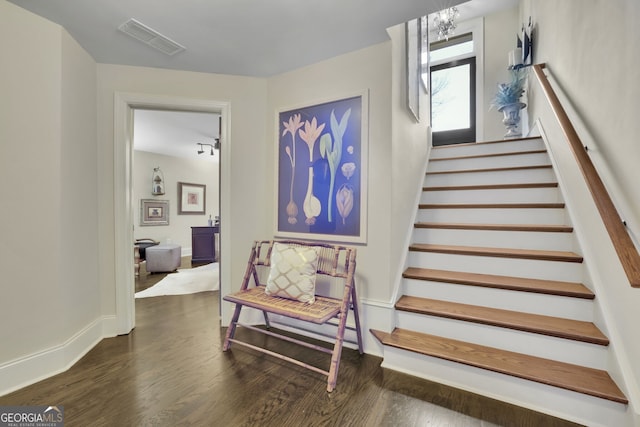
x=321, y=157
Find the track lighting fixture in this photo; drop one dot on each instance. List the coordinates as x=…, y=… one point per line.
x=201, y=150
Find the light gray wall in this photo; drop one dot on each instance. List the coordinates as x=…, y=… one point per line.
x=591, y=61
x=500, y=31
x=246, y=147
x=591, y=49
x=49, y=309
x=369, y=70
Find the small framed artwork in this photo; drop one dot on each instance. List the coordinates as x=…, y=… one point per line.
x=322, y=170
x=414, y=67
x=191, y=199
x=154, y=212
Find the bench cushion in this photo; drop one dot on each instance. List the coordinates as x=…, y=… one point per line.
x=293, y=272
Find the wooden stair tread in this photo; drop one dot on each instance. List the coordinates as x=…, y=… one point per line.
x=478, y=156
x=535, y=323
x=499, y=252
x=496, y=227
x=491, y=206
x=551, y=287
x=492, y=186
x=589, y=381
x=476, y=143
x=501, y=169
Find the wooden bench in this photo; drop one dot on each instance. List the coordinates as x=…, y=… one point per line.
x=338, y=263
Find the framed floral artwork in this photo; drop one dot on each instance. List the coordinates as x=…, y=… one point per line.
x=322, y=170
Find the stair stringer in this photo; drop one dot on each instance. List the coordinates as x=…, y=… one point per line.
x=603, y=268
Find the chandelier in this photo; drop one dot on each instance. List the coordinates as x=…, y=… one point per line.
x=444, y=22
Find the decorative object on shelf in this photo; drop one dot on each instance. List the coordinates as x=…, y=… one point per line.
x=191, y=199
x=154, y=212
x=507, y=101
x=157, y=182
x=522, y=55
x=444, y=22
x=527, y=44
x=511, y=119
x=321, y=170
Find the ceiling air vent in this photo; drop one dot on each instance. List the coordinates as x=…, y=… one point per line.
x=151, y=37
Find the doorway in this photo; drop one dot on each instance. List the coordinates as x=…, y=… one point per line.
x=170, y=143
x=453, y=102
x=124, y=106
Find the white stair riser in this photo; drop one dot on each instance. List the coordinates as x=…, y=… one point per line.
x=495, y=239
x=480, y=149
x=534, y=269
x=490, y=177
x=489, y=162
x=520, y=195
x=577, y=407
x=538, y=345
x=504, y=299
x=548, y=216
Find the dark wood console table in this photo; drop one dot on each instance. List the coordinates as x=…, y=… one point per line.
x=203, y=244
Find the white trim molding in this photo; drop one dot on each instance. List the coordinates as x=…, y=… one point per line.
x=124, y=104
x=38, y=366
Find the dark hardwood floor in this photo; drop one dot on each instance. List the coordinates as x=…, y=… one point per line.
x=171, y=371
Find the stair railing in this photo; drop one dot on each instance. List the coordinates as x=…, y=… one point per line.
x=622, y=242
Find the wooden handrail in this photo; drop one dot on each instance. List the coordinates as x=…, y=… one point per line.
x=620, y=238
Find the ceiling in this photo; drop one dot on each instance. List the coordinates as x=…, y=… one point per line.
x=257, y=38
x=176, y=133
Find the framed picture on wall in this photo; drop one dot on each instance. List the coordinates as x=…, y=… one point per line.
x=154, y=212
x=322, y=170
x=191, y=199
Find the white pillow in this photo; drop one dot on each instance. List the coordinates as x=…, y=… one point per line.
x=293, y=272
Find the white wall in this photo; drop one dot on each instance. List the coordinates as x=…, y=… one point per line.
x=247, y=169
x=397, y=152
x=592, y=52
x=500, y=31
x=174, y=169
x=344, y=76
x=78, y=240
x=410, y=146
x=591, y=63
x=48, y=250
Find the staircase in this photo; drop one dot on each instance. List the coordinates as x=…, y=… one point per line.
x=493, y=299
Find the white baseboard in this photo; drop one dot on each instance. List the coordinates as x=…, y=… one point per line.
x=35, y=367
